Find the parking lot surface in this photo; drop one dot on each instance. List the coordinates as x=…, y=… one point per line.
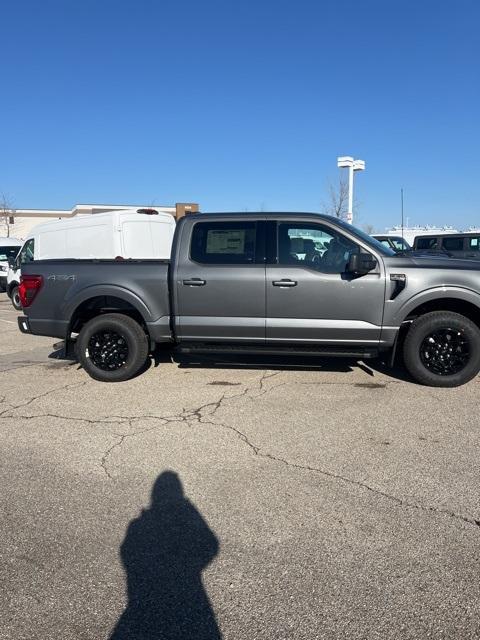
x=236, y=500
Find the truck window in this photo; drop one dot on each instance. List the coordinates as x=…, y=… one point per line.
x=224, y=242
x=8, y=253
x=27, y=252
x=474, y=244
x=314, y=246
x=399, y=244
x=452, y=244
x=426, y=243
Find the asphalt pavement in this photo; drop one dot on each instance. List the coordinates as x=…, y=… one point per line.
x=261, y=499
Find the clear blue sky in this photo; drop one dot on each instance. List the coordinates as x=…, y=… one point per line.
x=242, y=104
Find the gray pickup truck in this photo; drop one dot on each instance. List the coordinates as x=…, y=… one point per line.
x=269, y=283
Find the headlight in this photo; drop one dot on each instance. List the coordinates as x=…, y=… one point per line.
x=3, y=268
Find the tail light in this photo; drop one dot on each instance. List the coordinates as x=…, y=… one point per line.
x=28, y=289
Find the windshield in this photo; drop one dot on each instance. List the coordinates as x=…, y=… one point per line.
x=400, y=243
x=373, y=242
x=8, y=252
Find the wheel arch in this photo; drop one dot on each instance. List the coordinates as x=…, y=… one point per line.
x=456, y=299
x=457, y=305
x=96, y=305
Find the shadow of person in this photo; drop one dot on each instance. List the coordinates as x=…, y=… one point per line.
x=164, y=553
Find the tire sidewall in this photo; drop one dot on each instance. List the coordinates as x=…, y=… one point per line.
x=421, y=329
x=127, y=330
x=15, y=294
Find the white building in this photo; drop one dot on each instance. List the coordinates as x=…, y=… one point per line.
x=19, y=222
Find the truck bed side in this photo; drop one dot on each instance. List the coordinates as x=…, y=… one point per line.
x=75, y=290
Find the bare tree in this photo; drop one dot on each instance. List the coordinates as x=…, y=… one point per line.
x=368, y=228
x=6, y=214
x=337, y=202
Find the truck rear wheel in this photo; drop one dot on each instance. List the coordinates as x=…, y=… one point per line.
x=112, y=347
x=442, y=349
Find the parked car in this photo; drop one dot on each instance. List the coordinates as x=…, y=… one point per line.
x=458, y=245
x=9, y=248
x=127, y=234
x=397, y=243
x=235, y=283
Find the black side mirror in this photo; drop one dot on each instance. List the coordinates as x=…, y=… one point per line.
x=12, y=262
x=361, y=263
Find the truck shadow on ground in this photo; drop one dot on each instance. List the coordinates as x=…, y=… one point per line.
x=164, y=553
x=285, y=363
x=260, y=363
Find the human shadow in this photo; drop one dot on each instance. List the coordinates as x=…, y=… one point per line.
x=164, y=553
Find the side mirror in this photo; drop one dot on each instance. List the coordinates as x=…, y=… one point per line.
x=12, y=263
x=361, y=263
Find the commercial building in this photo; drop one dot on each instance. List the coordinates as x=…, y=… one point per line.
x=19, y=222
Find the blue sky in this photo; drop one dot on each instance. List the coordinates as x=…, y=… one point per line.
x=243, y=104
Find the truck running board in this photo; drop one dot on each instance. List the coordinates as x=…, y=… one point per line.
x=297, y=350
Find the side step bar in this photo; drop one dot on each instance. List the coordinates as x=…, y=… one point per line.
x=299, y=350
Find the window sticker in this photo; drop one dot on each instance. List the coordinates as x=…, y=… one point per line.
x=226, y=241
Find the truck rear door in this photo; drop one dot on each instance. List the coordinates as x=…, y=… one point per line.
x=219, y=281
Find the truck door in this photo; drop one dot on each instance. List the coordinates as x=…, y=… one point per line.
x=310, y=297
x=220, y=282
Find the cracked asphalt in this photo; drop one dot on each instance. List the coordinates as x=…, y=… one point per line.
x=291, y=499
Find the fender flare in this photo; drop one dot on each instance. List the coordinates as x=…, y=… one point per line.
x=435, y=293
x=96, y=291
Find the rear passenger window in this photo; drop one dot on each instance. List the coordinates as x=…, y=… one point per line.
x=426, y=243
x=224, y=242
x=453, y=244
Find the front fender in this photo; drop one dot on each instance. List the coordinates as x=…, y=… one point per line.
x=428, y=295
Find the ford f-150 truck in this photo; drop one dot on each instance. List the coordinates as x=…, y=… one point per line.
x=271, y=283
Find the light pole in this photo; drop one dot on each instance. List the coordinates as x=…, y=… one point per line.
x=352, y=165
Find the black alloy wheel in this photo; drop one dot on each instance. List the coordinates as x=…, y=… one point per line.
x=108, y=350
x=445, y=351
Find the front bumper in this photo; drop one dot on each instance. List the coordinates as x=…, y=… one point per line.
x=23, y=324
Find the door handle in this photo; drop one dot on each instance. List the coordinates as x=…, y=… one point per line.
x=194, y=282
x=285, y=282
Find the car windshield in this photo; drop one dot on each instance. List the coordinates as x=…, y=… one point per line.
x=8, y=252
x=373, y=242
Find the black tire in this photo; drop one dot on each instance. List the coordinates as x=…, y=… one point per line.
x=112, y=347
x=15, y=297
x=442, y=349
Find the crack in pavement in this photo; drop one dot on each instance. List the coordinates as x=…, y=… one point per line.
x=204, y=414
x=329, y=474
x=103, y=462
x=41, y=395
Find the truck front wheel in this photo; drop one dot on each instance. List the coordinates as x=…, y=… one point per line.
x=112, y=347
x=442, y=349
